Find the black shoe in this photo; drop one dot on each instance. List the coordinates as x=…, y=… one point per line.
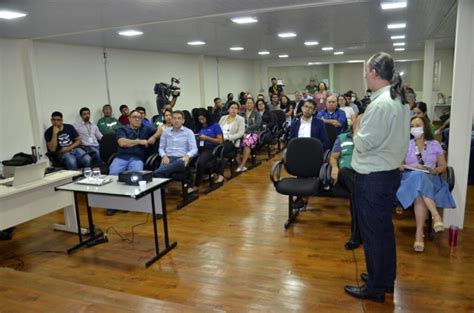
x=364, y=293
x=365, y=276
x=352, y=244
x=299, y=203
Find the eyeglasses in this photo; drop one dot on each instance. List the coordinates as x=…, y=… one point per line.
x=56, y=119
x=136, y=117
x=307, y=107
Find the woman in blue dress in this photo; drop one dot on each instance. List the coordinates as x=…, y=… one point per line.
x=422, y=186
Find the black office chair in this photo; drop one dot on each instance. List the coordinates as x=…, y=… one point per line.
x=227, y=153
x=302, y=160
x=281, y=130
x=332, y=134
x=108, y=148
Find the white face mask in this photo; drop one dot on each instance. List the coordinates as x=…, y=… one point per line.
x=417, y=132
x=353, y=99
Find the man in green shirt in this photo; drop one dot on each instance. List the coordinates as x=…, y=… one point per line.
x=108, y=123
x=311, y=87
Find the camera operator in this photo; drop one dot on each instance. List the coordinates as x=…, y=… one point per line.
x=159, y=119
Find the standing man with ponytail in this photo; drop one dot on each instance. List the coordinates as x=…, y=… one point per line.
x=381, y=139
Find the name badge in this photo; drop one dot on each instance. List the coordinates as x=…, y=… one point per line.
x=201, y=143
x=321, y=100
x=91, y=139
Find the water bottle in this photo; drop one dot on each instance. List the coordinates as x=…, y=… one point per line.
x=34, y=153
x=453, y=236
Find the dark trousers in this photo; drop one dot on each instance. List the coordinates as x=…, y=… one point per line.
x=374, y=195
x=205, y=157
x=346, y=179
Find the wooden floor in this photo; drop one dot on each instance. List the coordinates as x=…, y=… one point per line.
x=233, y=254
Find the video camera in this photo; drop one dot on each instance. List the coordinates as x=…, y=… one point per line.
x=163, y=92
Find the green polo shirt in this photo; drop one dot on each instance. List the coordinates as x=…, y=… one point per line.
x=108, y=125
x=382, y=141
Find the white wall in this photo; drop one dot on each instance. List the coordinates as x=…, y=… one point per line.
x=16, y=131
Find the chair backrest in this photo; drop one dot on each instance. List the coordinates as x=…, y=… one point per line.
x=332, y=134
x=188, y=120
x=304, y=157
x=280, y=117
x=108, y=146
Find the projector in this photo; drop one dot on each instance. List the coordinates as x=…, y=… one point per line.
x=133, y=177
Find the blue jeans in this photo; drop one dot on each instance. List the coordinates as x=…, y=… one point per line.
x=374, y=196
x=75, y=157
x=95, y=149
x=176, y=165
x=120, y=165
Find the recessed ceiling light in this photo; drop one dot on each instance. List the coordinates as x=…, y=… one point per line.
x=399, y=49
x=10, y=15
x=130, y=33
x=338, y=52
x=236, y=48
x=398, y=37
x=264, y=52
x=196, y=43
x=244, y=20
x=327, y=48
x=286, y=35
x=396, y=25
x=356, y=61
x=311, y=43
x=398, y=44
x=393, y=5
x=282, y=56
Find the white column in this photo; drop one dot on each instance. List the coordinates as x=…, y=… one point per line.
x=428, y=66
x=32, y=93
x=202, y=80
x=331, y=77
x=461, y=109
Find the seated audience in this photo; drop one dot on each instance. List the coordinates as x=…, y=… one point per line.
x=123, y=119
x=253, y=121
x=332, y=115
x=343, y=174
x=419, y=109
x=218, y=109
x=425, y=189
x=89, y=133
x=108, y=123
x=230, y=98
x=306, y=95
x=351, y=98
x=132, y=141
x=268, y=119
x=64, y=141
x=177, y=147
x=298, y=104
x=233, y=128
x=145, y=120
x=274, y=103
x=321, y=96
x=410, y=96
x=209, y=136
x=309, y=126
x=261, y=96
x=158, y=119
x=287, y=106
x=343, y=105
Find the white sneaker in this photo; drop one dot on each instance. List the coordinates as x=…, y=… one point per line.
x=243, y=169
x=239, y=169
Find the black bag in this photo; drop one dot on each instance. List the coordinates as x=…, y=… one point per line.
x=20, y=159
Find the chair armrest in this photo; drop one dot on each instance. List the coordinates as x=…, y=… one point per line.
x=326, y=156
x=218, y=151
x=276, y=169
x=450, y=178
x=111, y=158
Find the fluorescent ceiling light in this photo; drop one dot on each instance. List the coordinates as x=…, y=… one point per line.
x=327, y=48
x=130, y=33
x=356, y=61
x=402, y=73
x=286, y=35
x=314, y=63
x=244, y=20
x=338, y=52
x=396, y=25
x=196, y=43
x=398, y=44
x=399, y=49
x=236, y=48
x=398, y=37
x=282, y=56
x=10, y=15
x=264, y=52
x=311, y=43
x=393, y=5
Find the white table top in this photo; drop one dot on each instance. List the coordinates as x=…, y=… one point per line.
x=115, y=188
x=6, y=191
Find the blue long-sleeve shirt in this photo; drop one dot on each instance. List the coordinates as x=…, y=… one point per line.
x=338, y=115
x=178, y=143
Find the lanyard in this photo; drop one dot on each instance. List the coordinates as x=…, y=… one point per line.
x=419, y=155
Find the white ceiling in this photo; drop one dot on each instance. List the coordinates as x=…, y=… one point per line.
x=353, y=26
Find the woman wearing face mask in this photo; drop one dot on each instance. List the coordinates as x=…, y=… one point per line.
x=425, y=189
